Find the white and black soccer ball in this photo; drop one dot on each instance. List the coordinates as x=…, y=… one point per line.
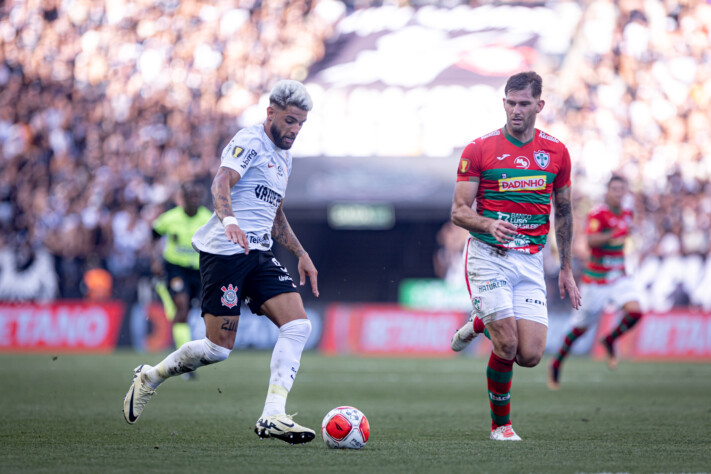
x=346, y=428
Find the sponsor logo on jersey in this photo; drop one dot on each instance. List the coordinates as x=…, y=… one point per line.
x=267, y=195
x=542, y=158
x=522, y=162
x=491, y=134
x=502, y=156
x=517, y=219
x=248, y=158
x=263, y=241
x=237, y=151
x=523, y=183
x=545, y=136
x=229, y=296
x=463, y=166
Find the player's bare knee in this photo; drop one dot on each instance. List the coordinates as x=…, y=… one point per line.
x=505, y=347
x=528, y=360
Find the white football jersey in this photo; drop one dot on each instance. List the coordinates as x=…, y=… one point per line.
x=264, y=172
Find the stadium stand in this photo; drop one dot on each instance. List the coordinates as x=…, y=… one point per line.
x=106, y=107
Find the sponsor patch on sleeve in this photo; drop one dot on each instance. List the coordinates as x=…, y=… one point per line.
x=593, y=226
x=463, y=166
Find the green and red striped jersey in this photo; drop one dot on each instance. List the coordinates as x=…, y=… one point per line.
x=516, y=181
x=607, y=262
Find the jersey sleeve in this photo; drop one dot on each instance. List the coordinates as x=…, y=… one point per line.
x=562, y=178
x=470, y=163
x=595, y=223
x=162, y=223
x=239, y=155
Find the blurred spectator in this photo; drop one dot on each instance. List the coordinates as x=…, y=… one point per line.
x=97, y=281
x=26, y=273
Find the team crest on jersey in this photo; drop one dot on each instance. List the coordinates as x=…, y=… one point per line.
x=237, y=151
x=463, y=166
x=229, y=296
x=542, y=158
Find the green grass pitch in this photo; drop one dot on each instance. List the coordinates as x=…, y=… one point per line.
x=63, y=414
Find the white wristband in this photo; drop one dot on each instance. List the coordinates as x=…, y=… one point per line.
x=230, y=220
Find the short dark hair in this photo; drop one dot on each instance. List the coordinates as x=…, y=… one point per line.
x=616, y=177
x=520, y=81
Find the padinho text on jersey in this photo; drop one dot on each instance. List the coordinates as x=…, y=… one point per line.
x=267, y=195
x=527, y=183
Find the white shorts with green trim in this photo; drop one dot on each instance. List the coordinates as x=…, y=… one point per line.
x=505, y=283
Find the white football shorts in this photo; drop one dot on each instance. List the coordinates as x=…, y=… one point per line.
x=595, y=297
x=505, y=283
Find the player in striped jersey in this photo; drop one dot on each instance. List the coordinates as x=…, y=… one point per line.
x=512, y=173
x=604, y=279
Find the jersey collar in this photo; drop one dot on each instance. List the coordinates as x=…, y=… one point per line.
x=515, y=141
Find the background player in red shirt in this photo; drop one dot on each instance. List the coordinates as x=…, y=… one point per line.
x=604, y=280
x=511, y=174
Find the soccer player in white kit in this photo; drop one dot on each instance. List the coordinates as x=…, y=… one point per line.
x=236, y=264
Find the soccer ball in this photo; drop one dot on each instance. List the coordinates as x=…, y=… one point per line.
x=345, y=427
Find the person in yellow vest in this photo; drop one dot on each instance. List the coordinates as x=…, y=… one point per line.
x=180, y=262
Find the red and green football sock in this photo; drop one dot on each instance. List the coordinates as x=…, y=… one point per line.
x=499, y=373
x=628, y=321
x=570, y=338
x=480, y=328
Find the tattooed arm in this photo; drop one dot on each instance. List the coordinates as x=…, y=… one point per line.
x=282, y=233
x=564, y=238
x=222, y=199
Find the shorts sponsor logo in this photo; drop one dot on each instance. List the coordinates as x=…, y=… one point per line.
x=542, y=158
x=247, y=159
x=529, y=183
x=285, y=278
x=492, y=285
x=267, y=195
x=229, y=296
x=535, y=301
x=522, y=162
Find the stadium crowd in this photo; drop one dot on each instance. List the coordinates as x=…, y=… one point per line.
x=106, y=107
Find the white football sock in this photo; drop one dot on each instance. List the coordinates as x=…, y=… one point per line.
x=187, y=358
x=285, y=363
